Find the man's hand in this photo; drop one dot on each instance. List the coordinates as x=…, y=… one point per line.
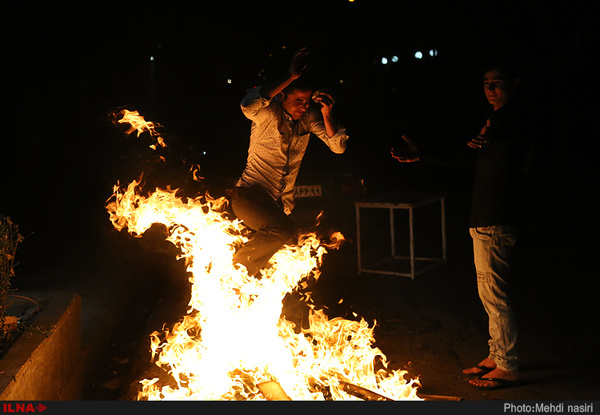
x=483, y=139
x=298, y=63
x=325, y=99
x=409, y=154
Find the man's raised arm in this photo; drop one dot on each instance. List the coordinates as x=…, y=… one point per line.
x=297, y=66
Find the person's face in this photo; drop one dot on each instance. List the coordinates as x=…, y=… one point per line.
x=296, y=103
x=497, y=89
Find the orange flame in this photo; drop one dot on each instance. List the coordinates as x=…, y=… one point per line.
x=234, y=337
x=139, y=124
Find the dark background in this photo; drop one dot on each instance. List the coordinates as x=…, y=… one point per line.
x=69, y=65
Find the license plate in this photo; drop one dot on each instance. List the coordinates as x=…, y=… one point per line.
x=308, y=191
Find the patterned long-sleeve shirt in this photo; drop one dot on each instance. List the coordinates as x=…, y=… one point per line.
x=278, y=143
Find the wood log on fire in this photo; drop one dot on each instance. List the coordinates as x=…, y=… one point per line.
x=362, y=393
x=440, y=398
x=369, y=395
x=272, y=391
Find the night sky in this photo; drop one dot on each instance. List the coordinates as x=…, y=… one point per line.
x=186, y=65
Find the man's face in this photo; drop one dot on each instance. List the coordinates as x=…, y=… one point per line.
x=296, y=103
x=497, y=89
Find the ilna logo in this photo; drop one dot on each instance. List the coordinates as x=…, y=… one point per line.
x=22, y=407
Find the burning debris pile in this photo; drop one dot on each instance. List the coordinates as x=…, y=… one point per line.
x=234, y=343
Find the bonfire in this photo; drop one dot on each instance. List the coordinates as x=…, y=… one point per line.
x=234, y=342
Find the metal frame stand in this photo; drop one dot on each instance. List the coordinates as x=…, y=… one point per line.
x=408, y=201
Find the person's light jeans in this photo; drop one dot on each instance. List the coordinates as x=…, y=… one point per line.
x=493, y=250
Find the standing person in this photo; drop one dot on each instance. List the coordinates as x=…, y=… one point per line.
x=501, y=150
x=282, y=122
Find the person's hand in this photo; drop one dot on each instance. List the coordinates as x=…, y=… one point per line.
x=298, y=63
x=408, y=154
x=325, y=99
x=483, y=139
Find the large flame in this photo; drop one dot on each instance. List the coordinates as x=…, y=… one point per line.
x=234, y=337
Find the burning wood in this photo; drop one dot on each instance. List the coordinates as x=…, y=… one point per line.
x=363, y=393
x=440, y=398
x=369, y=395
x=272, y=391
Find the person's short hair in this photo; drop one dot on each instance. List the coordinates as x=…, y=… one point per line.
x=299, y=84
x=508, y=67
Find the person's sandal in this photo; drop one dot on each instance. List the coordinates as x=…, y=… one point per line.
x=496, y=383
x=482, y=370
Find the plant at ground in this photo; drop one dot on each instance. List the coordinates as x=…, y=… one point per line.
x=9, y=239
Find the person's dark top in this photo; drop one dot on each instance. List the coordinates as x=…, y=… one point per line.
x=499, y=169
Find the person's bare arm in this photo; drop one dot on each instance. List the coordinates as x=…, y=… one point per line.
x=297, y=66
x=326, y=100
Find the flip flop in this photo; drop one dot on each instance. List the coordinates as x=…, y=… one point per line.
x=482, y=370
x=496, y=383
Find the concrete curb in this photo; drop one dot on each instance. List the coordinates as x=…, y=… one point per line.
x=45, y=363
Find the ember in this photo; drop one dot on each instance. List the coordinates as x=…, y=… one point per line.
x=234, y=343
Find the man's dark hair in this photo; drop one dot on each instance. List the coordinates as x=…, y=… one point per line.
x=299, y=84
x=508, y=67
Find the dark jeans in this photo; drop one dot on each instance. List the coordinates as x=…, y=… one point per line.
x=257, y=210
